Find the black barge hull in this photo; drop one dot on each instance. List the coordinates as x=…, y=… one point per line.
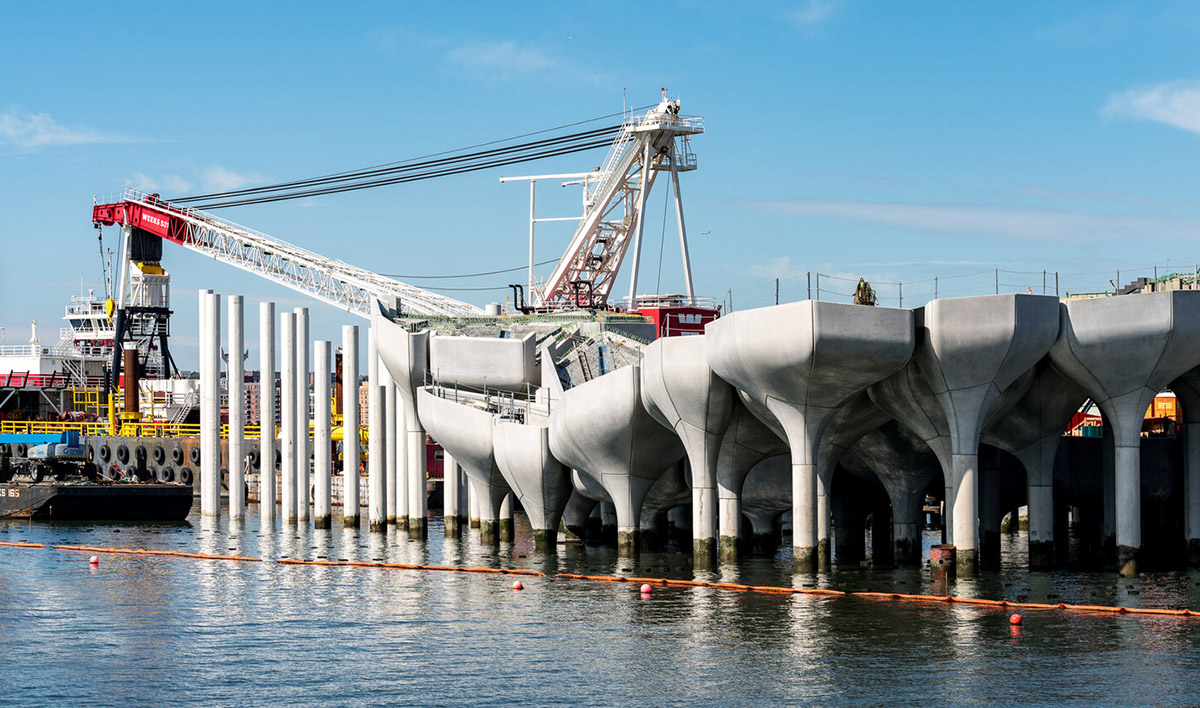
x=95, y=502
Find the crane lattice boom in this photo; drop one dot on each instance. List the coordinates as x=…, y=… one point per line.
x=615, y=205
x=335, y=282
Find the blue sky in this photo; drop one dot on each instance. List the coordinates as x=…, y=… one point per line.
x=896, y=141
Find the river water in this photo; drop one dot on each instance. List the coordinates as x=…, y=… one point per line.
x=140, y=630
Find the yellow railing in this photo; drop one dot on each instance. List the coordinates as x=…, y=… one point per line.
x=140, y=429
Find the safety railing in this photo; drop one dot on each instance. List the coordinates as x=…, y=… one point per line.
x=141, y=429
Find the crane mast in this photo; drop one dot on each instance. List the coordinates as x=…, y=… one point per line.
x=615, y=208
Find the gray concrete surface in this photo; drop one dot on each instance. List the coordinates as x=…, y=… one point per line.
x=803, y=360
x=747, y=441
x=602, y=430
x=541, y=483
x=1123, y=351
x=680, y=390
x=466, y=433
x=969, y=351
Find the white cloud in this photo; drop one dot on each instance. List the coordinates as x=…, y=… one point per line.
x=1005, y=222
x=39, y=129
x=815, y=11
x=168, y=185
x=500, y=60
x=209, y=179
x=780, y=267
x=220, y=179
x=1176, y=104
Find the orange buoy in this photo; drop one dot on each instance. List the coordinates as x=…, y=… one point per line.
x=1014, y=619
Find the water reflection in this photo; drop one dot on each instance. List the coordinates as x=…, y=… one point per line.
x=153, y=629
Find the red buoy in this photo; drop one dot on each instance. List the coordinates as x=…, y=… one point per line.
x=645, y=588
x=1014, y=619
x=94, y=560
x=517, y=585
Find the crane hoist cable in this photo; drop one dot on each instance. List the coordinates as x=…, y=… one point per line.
x=357, y=176
x=430, y=174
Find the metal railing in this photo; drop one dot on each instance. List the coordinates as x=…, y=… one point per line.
x=141, y=429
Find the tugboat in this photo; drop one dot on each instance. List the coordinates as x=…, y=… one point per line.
x=64, y=485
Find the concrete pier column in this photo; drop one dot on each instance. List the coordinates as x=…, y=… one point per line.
x=376, y=445
x=287, y=415
x=237, y=409
x=377, y=452
x=540, y=482
x=465, y=432
x=970, y=350
x=472, y=504
x=602, y=429
x=852, y=420
x=210, y=403
x=575, y=517
x=729, y=514
x=824, y=522
x=400, y=493
x=266, y=415
x=406, y=356
x=1123, y=351
x=416, y=474
x=802, y=361
x=905, y=466
x=350, y=426
x=1187, y=389
x=608, y=520
x=747, y=442
x=389, y=439
x=450, y=496
x=303, y=418
x=1031, y=430
x=489, y=523
x=506, y=519
x=322, y=443
x=464, y=503
x=680, y=391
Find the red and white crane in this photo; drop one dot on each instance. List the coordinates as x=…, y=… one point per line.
x=613, y=219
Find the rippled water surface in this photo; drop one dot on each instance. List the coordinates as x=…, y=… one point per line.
x=159, y=631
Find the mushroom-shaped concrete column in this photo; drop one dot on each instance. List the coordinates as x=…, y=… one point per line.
x=905, y=466
x=1187, y=388
x=970, y=350
x=541, y=483
x=466, y=433
x=803, y=360
x=852, y=420
x=747, y=442
x=406, y=356
x=682, y=392
x=1031, y=430
x=1123, y=351
x=601, y=429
